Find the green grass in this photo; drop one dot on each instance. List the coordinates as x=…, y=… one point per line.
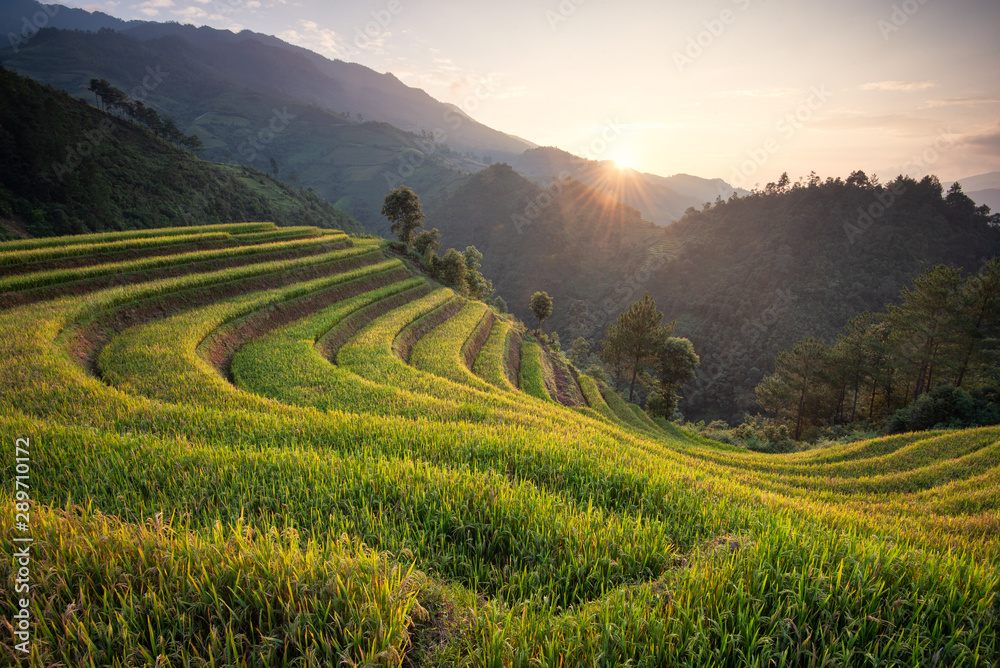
x=369, y=511
x=46, y=278
x=491, y=364
x=592, y=393
x=106, y=237
x=532, y=375
x=627, y=413
x=441, y=351
x=79, y=250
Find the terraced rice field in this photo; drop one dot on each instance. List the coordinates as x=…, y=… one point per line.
x=246, y=446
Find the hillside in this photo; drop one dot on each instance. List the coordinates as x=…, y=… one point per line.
x=295, y=450
x=754, y=275
x=348, y=163
x=572, y=241
x=275, y=68
x=659, y=199
x=744, y=279
x=69, y=167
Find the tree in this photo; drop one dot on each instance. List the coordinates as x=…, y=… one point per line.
x=427, y=239
x=541, y=306
x=925, y=324
x=787, y=391
x=402, y=208
x=453, y=271
x=980, y=318
x=677, y=365
x=192, y=142
x=580, y=351
x=614, y=354
x=852, y=355
x=97, y=88
x=479, y=287
x=634, y=341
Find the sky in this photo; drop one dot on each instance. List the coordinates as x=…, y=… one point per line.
x=742, y=90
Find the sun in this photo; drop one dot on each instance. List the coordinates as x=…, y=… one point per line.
x=624, y=157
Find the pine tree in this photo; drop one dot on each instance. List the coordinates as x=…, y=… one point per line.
x=789, y=390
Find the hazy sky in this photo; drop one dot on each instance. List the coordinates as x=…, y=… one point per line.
x=738, y=89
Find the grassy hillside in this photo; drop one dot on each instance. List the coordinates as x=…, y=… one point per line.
x=69, y=167
x=300, y=452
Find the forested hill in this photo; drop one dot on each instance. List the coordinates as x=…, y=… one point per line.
x=756, y=274
x=70, y=168
x=570, y=240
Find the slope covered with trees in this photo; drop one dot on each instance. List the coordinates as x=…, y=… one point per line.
x=69, y=167
x=571, y=241
x=754, y=275
x=349, y=161
x=945, y=332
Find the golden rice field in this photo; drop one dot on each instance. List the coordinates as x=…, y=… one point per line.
x=251, y=446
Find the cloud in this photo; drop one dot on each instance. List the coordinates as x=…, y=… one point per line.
x=153, y=7
x=961, y=101
x=900, y=125
x=988, y=141
x=322, y=40
x=898, y=86
x=191, y=13
x=756, y=92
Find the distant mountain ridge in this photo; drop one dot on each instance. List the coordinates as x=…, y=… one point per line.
x=266, y=65
x=983, y=189
x=71, y=168
x=660, y=199
x=294, y=72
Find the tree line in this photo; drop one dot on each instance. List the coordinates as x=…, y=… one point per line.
x=944, y=333
x=461, y=270
x=114, y=100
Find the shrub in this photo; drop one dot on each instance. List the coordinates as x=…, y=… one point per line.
x=947, y=407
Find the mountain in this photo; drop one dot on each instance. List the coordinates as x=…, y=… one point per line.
x=21, y=19
x=983, y=189
x=273, y=67
x=305, y=76
x=744, y=278
x=349, y=163
x=69, y=167
x=659, y=199
x=753, y=275
x=572, y=241
x=989, y=196
x=990, y=180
